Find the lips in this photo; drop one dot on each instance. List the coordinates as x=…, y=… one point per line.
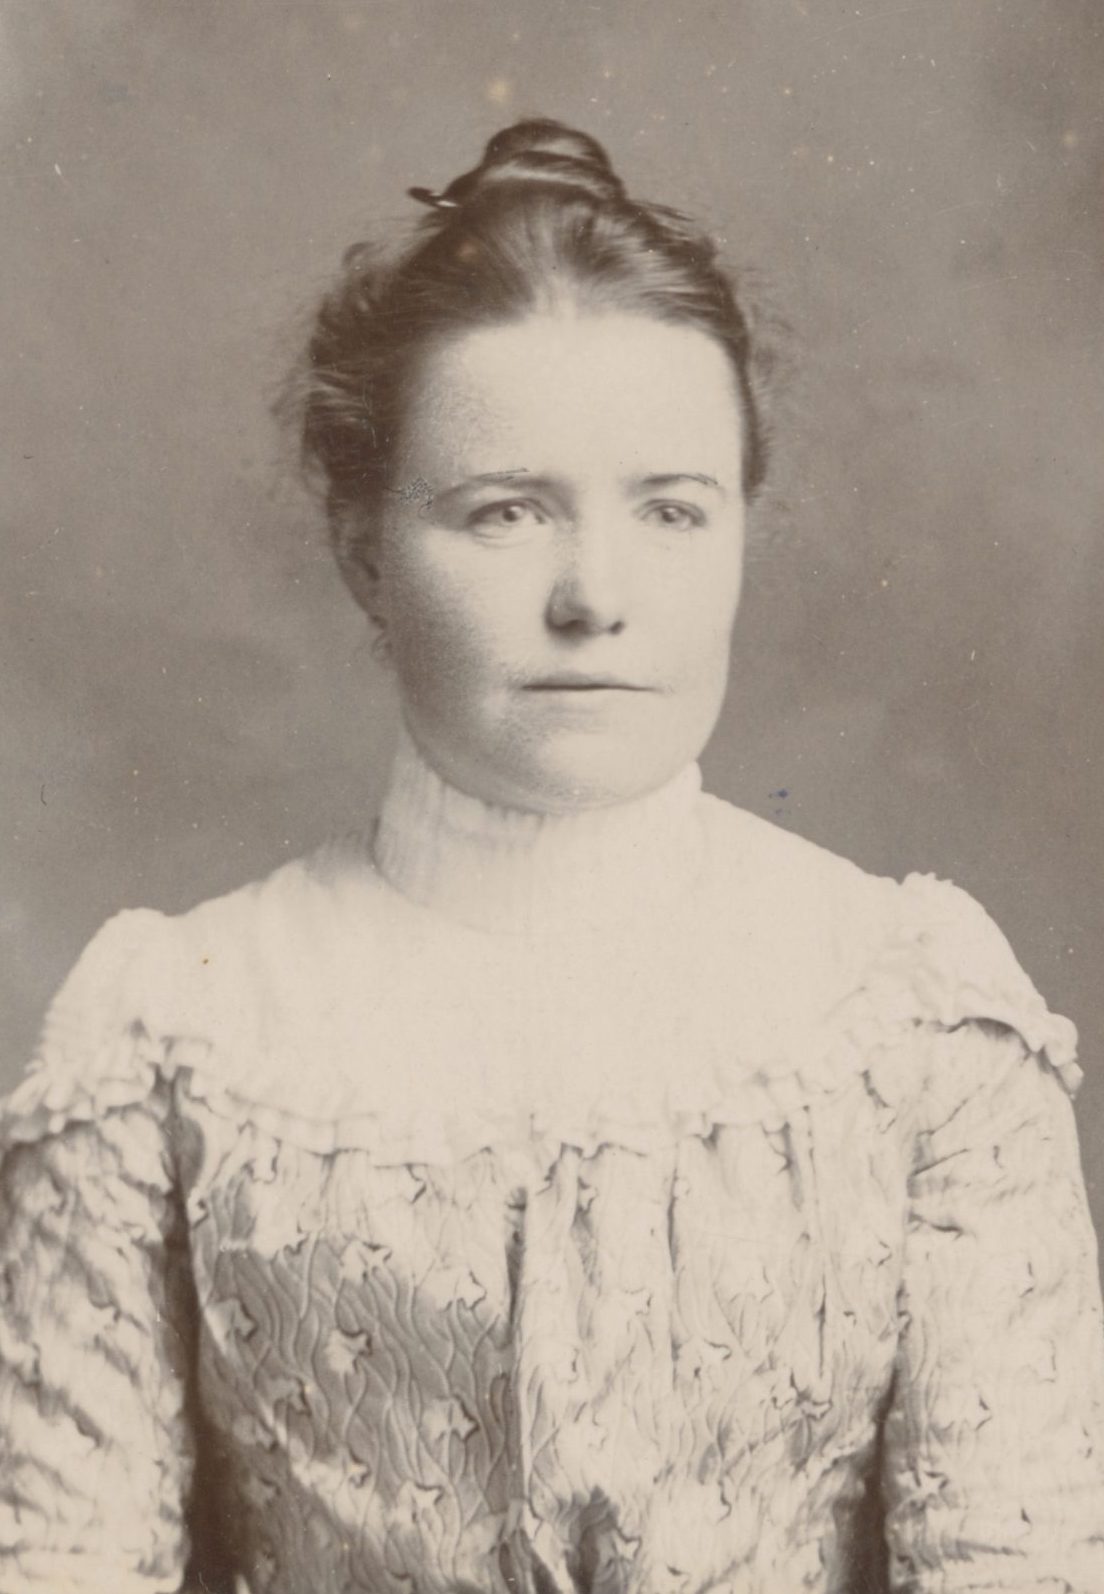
x=583, y=683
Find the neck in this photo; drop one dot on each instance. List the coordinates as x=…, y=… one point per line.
x=512, y=870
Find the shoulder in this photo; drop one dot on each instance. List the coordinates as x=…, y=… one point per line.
x=150, y=991
x=947, y=966
x=255, y=941
x=781, y=874
x=810, y=921
x=227, y=951
x=884, y=962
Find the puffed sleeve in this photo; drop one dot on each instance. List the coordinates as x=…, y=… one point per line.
x=994, y=1455
x=94, y=1299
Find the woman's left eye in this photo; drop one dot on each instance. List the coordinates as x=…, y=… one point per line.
x=677, y=516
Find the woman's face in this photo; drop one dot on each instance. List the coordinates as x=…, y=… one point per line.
x=558, y=566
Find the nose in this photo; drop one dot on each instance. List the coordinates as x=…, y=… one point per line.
x=589, y=593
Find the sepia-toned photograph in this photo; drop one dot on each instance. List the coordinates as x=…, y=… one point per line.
x=553, y=852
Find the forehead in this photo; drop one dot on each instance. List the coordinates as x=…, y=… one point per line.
x=575, y=392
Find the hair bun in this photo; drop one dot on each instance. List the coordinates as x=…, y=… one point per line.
x=535, y=151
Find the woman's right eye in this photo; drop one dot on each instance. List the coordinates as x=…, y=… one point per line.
x=506, y=513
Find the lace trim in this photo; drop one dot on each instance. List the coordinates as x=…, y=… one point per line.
x=942, y=963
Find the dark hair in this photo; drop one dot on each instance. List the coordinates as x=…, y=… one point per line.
x=542, y=219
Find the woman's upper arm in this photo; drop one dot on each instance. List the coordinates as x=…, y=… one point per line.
x=995, y=1439
x=95, y=1321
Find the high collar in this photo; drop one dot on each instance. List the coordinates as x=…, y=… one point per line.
x=516, y=871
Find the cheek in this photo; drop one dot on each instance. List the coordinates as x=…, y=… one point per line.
x=700, y=617
x=440, y=628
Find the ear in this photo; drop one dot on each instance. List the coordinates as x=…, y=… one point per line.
x=357, y=550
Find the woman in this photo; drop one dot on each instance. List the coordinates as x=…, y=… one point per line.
x=574, y=1182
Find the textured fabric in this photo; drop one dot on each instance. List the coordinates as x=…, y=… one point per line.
x=623, y=1258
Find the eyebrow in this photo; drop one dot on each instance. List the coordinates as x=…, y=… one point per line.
x=523, y=477
x=494, y=478
x=672, y=479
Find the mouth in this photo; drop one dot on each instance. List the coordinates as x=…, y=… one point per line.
x=583, y=683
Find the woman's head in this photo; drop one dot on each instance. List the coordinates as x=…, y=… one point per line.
x=542, y=222
x=537, y=428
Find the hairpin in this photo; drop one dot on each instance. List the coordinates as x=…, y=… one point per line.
x=426, y=196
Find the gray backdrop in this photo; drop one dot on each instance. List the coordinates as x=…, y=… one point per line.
x=189, y=696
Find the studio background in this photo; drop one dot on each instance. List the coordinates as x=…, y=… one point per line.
x=189, y=696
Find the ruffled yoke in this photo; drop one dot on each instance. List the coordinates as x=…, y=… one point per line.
x=468, y=975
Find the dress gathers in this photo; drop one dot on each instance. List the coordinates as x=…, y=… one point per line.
x=641, y=1201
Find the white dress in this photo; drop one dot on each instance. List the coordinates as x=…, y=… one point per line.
x=642, y=1201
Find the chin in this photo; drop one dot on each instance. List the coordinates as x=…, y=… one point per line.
x=594, y=776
